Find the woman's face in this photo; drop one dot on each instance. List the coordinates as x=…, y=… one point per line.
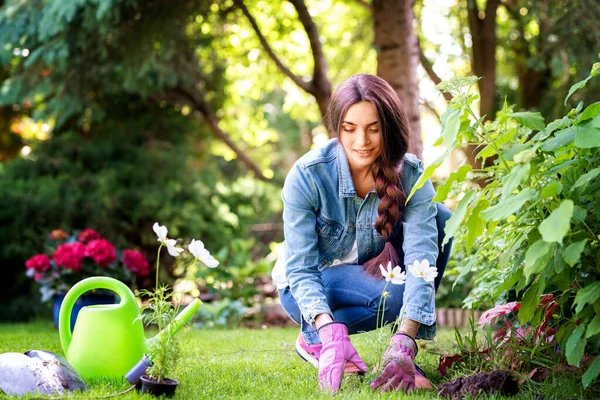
x=360, y=135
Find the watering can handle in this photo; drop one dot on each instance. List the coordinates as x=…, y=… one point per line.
x=97, y=282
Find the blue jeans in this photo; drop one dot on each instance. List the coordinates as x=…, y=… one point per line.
x=354, y=296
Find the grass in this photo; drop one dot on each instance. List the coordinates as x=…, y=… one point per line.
x=262, y=364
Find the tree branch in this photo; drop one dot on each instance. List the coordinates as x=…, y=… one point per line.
x=307, y=87
x=365, y=4
x=432, y=75
x=195, y=99
x=320, y=82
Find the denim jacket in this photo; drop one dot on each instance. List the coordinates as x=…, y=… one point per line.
x=323, y=216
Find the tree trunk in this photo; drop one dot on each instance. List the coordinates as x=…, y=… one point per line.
x=397, y=59
x=482, y=25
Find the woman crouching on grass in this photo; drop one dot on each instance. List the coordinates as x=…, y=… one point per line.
x=345, y=214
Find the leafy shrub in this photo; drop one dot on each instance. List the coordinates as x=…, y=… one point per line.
x=533, y=229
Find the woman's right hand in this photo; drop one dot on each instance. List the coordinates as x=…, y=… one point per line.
x=335, y=353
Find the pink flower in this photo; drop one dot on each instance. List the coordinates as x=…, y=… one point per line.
x=40, y=263
x=88, y=235
x=498, y=311
x=70, y=256
x=101, y=251
x=38, y=276
x=136, y=262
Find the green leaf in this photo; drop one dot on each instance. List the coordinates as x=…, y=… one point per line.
x=489, y=150
x=531, y=299
x=560, y=139
x=475, y=225
x=592, y=372
x=585, y=178
x=593, y=327
x=428, y=173
x=465, y=270
x=573, y=253
x=506, y=255
x=450, y=120
x=508, y=206
x=590, y=112
x=458, y=176
x=509, y=283
x=456, y=219
x=555, y=227
x=577, y=86
x=518, y=175
x=588, y=134
x=587, y=295
x=532, y=120
x=579, y=214
x=575, y=346
x=537, y=257
x=551, y=190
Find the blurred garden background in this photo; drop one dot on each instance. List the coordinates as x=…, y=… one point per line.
x=117, y=114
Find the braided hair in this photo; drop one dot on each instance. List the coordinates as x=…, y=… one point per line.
x=387, y=168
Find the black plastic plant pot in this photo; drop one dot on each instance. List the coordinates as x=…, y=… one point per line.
x=166, y=387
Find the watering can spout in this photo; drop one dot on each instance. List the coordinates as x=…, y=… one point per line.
x=181, y=319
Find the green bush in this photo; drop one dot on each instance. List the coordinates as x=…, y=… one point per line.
x=120, y=179
x=534, y=228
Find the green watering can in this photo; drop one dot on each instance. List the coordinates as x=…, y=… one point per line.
x=108, y=339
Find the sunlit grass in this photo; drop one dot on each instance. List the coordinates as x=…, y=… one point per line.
x=244, y=363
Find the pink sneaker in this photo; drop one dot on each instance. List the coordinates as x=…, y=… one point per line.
x=309, y=353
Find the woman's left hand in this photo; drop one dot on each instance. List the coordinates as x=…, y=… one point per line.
x=398, y=367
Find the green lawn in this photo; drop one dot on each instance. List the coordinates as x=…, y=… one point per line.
x=262, y=364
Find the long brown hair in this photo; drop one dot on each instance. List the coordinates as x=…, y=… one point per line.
x=387, y=168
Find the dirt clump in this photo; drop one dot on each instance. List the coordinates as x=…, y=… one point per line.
x=500, y=382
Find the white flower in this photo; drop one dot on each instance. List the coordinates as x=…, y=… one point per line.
x=423, y=270
x=161, y=232
x=197, y=249
x=173, y=251
x=395, y=275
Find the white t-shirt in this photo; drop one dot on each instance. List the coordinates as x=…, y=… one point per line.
x=278, y=273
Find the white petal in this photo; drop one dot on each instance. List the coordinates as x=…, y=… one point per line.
x=383, y=272
x=196, y=247
x=211, y=263
x=161, y=231
x=174, y=251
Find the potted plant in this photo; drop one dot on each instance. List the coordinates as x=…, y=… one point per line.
x=165, y=352
x=70, y=258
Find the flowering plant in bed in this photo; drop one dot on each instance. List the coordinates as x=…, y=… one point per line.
x=70, y=258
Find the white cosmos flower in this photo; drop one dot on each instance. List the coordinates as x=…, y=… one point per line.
x=174, y=251
x=202, y=254
x=423, y=270
x=395, y=275
x=161, y=232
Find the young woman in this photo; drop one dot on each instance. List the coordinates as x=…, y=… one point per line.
x=345, y=214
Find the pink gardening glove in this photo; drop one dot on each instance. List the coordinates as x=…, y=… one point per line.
x=336, y=352
x=398, y=366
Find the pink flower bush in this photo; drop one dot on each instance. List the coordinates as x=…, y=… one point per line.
x=136, y=262
x=70, y=256
x=39, y=263
x=79, y=256
x=101, y=251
